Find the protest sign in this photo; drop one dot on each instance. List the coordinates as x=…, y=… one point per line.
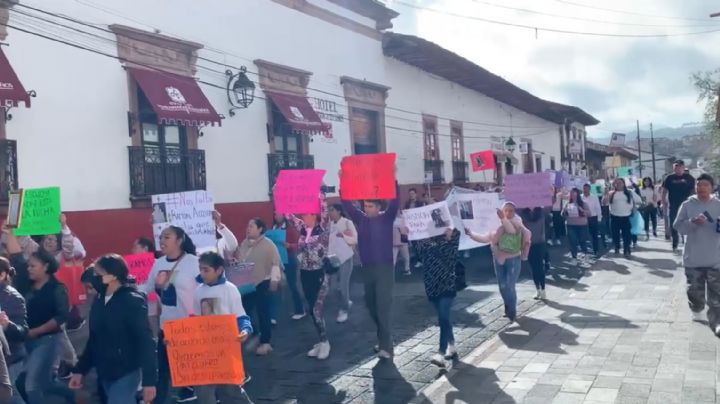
x=240, y=275
x=626, y=171
x=40, y=212
x=192, y=211
x=553, y=176
x=204, y=350
x=475, y=211
x=483, y=160
x=368, y=176
x=596, y=189
x=278, y=237
x=139, y=266
x=528, y=190
x=298, y=191
x=428, y=221
x=577, y=181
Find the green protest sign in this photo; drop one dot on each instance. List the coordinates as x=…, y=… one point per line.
x=625, y=171
x=596, y=189
x=40, y=213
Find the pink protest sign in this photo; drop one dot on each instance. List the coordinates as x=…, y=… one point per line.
x=139, y=266
x=529, y=190
x=298, y=191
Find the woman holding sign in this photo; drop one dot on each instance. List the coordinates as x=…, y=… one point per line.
x=313, y=251
x=510, y=245
x=120, y=345
x=172, y=277
x=439, y=256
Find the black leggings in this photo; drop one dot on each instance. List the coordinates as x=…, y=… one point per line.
x=537, y=257
x=650, y=214
x=621, y=224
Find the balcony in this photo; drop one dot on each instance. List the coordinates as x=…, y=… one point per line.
x=156, y=170
x=287, y=161
x=434, y=172
x=460, y=172
x=8, y=168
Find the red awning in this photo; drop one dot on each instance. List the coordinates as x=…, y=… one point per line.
x=299, y=113
x=11, y=90
x=176, y=99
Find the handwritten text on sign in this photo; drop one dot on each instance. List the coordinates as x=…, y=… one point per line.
x=139, y=266
x=428, y=221
x=297, y=191
x=204, y=350
x=368, y=176
x=529, y=190
x=475, y=211
x=190, y=210
x=40, y=214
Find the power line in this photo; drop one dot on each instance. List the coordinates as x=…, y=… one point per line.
x=96, y=27
x=710, y=23
x=611, y=10
x=554, y=30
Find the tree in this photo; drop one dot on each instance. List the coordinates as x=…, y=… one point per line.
x=707, y=84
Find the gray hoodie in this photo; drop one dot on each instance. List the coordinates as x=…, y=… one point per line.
x=702, y=247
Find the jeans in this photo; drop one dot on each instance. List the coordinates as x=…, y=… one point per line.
x=538, y=251
x=577, y=235
x=698, y=281
x=621, y=224
x=260, y=301
x=292, y=280
x=315, y=287
x=379, y=281
x=650, y=214
x=14, y=371
x=404, y=251
x=558, y=225
x=124, y=389
x=341, y=281
x=442, y=307
x=675, y=236
x=507, y=275
x=594, y=228
x=40, y=365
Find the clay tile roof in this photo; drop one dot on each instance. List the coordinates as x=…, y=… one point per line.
x=439, y=61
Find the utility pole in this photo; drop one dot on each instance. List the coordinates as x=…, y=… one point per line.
x=639, y=150
x=652, y=151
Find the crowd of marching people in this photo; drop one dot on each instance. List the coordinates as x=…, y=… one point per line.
x=129, y=353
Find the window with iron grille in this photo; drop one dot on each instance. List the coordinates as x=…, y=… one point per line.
x=430, y=131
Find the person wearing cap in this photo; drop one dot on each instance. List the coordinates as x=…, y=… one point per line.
x=510, y=245
x=120, y=345
x=677, y=188
x=699, y=220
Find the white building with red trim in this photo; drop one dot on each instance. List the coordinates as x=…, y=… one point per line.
x=132, y=100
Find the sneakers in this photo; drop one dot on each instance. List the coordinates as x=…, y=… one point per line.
x=573, y=262
x=273, y=321
x=342, y=316
x=185, y=395
x=407, y=273
x=313, y=353
x=537, y=296
x=376, y=348
x=451, y=353
x=298, y=316
x=438, y=360
x=323, y=350
x=384, y=355
x=543, y=296
x=550, y=242
x=418, y=264
x=700, y=316
x=717, y=330
x=263, y=350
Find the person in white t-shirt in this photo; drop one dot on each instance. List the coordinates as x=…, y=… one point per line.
x=342, y=241
x=217, y=296
x=558, y=220
x=650, y=198
x=594, y=217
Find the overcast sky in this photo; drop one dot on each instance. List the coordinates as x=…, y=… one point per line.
x=618, y=80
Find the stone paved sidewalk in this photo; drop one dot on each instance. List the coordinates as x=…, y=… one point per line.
x=622, y=335
x=351, y=374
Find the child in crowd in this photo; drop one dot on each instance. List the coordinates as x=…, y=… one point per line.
x=216, y=296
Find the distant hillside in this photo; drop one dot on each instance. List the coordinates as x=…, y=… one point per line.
x=658, y=132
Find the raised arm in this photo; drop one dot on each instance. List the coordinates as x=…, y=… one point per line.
x=394, y=204
x=356, y=215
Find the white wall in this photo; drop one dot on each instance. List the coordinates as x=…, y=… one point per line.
x=76, y=136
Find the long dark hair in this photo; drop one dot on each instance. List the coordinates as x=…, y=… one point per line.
x=339, y=207
x=115, y=265
x=6, y=267
x=651, y=186
x=46, y=259
x=626, y=191
x=187, y=245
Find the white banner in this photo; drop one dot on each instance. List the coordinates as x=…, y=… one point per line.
x=476, y=211
x=192, y=211
x=428, y=221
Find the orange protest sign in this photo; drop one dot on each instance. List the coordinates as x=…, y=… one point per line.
x=139, y=266
x=368, y=176
x=204, y=350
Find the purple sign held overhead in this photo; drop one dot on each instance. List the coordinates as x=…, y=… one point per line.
x=529, y=190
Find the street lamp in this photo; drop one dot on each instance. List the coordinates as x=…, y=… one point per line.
x=510, y=145
x=240, y=90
